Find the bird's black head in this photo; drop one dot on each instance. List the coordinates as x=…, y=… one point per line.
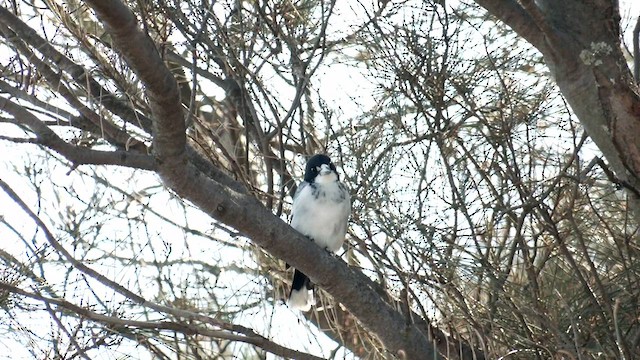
x=314, y=165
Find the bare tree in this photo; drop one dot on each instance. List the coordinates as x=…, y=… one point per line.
x=485, y=223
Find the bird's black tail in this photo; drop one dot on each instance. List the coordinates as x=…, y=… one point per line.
x=300, y=280
x=300, y=296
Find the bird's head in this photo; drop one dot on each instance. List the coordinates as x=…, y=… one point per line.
x=320, y=169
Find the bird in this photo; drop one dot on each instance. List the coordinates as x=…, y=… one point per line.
x=320, y=211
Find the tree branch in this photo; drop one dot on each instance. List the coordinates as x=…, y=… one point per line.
x=107, y=129
x=184, y=328
x=169, y=129
x=76, y=154
x=77, y=72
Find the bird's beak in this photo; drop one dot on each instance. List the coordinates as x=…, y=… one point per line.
x=325, y=169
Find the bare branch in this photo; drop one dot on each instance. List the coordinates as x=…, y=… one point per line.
x=169, y=138
x=250, y=335
x=107, y=128
x=76, y=154
x=117, y=323
x=77, y=72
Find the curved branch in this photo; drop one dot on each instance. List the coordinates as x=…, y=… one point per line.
x=169, y=129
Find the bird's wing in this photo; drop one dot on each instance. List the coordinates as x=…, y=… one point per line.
x=298, y=209
x=299, y=190
x=346, y=213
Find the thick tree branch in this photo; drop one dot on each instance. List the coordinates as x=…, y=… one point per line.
x=591, y=73
x=101, y=95
x=169, y=130
x=244, y=212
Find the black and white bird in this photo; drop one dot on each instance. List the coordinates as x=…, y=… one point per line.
x=321, y=208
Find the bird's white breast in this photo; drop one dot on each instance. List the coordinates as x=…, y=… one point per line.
x=320, y=211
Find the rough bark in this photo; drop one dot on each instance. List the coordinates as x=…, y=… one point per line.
x=580, y=42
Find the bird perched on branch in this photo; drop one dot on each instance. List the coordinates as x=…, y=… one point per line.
x=321, y=208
